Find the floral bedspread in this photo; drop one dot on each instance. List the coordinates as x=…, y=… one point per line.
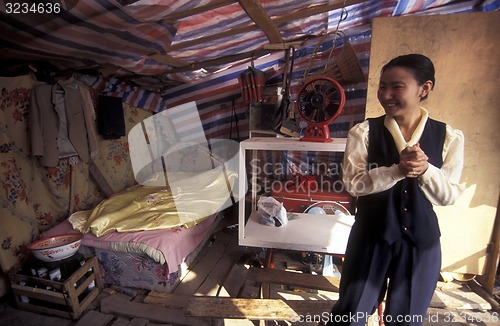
x=134, y=270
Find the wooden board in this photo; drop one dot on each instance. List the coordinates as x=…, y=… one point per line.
x=464, y=48
x=235, y=281
x=169, y=300
x=256, y=309
x=317, y=282
x=120, y=321
x=94, y=318
x=119, y=306
x=213, y=283
x=138, y=322
x=99, y=178
x=207, y=261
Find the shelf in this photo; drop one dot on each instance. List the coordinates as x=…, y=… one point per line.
x=305, y=232
x=292, y=144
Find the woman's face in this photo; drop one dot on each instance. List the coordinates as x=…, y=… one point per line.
x=399, y=92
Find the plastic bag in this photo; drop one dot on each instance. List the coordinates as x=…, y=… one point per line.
x=271, y=212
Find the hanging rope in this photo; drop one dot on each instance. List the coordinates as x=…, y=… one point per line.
x=343, y=16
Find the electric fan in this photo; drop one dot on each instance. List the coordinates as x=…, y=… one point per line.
x=319, y=102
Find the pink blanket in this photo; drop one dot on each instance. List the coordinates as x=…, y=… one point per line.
x=169, y=246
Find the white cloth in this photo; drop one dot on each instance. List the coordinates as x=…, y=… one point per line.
x=440, y=185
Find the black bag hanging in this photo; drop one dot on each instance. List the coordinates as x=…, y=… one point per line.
x=110, y=117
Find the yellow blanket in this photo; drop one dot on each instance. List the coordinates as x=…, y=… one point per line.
x=195, y=197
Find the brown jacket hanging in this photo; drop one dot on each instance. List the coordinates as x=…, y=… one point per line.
x=44, y=124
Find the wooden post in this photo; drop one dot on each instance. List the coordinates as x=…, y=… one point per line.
x=487, y=280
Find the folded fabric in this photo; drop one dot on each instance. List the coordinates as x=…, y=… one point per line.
x=142, y=208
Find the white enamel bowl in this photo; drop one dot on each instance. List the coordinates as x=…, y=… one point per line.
x=57, y=247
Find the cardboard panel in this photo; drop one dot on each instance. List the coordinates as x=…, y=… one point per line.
x=464, y=48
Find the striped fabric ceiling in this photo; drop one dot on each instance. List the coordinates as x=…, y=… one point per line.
x=157, y=54
x=162, y=43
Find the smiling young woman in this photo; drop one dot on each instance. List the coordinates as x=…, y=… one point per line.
x=400, y=94
x=397, y=165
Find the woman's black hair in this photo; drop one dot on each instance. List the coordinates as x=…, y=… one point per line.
x=421, y=66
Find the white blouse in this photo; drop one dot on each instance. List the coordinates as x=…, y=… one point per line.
x=440, y=185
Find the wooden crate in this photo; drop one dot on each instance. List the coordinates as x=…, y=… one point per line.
x=63, y=299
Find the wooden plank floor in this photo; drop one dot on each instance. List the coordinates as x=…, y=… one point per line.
x=222, y=275
x=225, y=272
x=225, y=275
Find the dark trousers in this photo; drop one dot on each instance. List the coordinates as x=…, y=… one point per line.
x=373, y=268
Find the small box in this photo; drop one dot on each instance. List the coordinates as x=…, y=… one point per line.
x=67, y=298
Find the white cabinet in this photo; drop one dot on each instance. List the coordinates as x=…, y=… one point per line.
x=260, y=170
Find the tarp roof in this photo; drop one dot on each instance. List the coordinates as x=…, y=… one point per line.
x=159, y=44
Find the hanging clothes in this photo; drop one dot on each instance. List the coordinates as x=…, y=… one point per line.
x=61, y=123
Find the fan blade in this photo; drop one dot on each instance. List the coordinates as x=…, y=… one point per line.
x=310, y=88
x=322, y=115
x=320, y=100
x=332, y=88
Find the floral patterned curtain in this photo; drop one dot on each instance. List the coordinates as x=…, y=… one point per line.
x=34, y=198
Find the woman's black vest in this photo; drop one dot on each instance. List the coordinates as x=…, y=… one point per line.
x=403, y=209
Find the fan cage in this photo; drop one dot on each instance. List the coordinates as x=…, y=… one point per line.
x=305, y=91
